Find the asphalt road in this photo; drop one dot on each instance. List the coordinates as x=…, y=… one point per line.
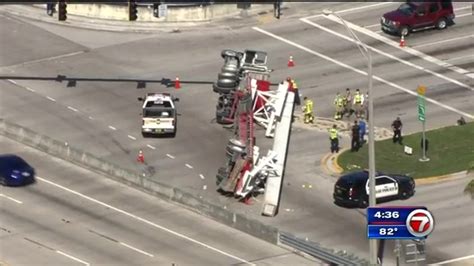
x=103, y=118
x=72, y=216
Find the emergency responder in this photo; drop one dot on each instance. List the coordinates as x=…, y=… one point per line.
x=355, y=142
x=339, y=104
x=347, y=99
x=358, y=98
x=397, y=131
x=334, y=138
x=292, y=86
x=308, y=110
x=362, y=131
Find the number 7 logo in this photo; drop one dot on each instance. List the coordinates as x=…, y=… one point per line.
x=420, y=223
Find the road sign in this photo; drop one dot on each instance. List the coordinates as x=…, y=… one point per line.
x=420, y=223
x=421, y=102
x=162, y=10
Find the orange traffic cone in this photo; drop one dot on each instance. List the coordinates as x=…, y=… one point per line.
x=141, y=157
x=290, y=62
x=402, y=41
x=177, y=84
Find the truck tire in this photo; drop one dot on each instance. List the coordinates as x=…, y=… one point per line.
x=441, y=24
x=228, y=53
x=227, y=83
x=222, y=90
x=227, y=75
x=404, y=31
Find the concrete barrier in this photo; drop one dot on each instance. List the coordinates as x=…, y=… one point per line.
x=190, y=13
x=144, y=183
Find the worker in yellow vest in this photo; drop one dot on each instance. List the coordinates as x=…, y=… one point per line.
x=308, y=110
x=339, y=104
x=358, y=99
x=334, y=138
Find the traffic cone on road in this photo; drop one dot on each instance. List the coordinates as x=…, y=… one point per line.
x=177, y=84
x=141, y=157
x=290, y=62
x=402, y=41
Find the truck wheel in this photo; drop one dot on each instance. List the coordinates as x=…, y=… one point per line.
x=228, y=53
x=226, y=83
x=364, y=203
x=227, y=75
x=404, y=31
x=222, y=90
x=441, y=24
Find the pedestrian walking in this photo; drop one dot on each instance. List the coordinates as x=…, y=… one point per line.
x=355, y=142
x=334, y=139
x=348, y=103
x=50, y=8
x=357, y=105
x=362, y=131
x=339, y=106
x=397, y=126
x=308, y=110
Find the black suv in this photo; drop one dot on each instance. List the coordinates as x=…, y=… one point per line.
x=353, y=189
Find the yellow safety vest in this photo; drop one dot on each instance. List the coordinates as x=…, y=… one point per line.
x=295, y=86
x=358, y=98
x=339, y=101
x=308, y=106
x=333, y=133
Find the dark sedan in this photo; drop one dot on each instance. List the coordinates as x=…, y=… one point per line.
x=14, y=171
x=353, y=188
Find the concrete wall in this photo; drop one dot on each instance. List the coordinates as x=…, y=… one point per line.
x=138, y=180
x=174, y=14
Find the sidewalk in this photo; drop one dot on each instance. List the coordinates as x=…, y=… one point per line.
x=39, y=14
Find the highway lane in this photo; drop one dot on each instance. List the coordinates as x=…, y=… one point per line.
x=115, y=105
x=97, y=221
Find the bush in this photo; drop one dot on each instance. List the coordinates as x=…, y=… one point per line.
x=470, y=189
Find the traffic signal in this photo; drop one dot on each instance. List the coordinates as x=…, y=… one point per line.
x=62, y=10
x=132, y=10
x=277, y=9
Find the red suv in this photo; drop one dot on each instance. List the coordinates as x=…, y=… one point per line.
x=414, y=16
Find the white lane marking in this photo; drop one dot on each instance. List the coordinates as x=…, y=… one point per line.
x=10, y=198
x=30, y=89
x=201, y=176
x=91, y=118
x=51, y=99
x=459, y=57
x=132, y=137
x=170, y=156
x=354, y=9
x=136, y=249
x=443, y=41
x=113, y=128
x=204, y=187
x=462, y=8
x=359, y=71
x=151, y=147
x=72, y=257
x=373, y=25
x=46, y=59
x=12, y=81
x=464, y=15
x=378, y=31
x=143, y=220
x=189, y=166
x=72, y=108
x=388, y=55
x=397, y=45
x=454, y=260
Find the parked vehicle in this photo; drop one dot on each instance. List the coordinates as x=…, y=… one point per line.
x=14, y=171
x=415, y=16
x=353, y=189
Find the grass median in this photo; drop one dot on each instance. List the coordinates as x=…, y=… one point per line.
x=450, y=149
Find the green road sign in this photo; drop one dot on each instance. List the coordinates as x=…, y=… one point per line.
x=421, y=108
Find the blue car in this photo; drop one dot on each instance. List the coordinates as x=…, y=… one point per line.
x=14, y=171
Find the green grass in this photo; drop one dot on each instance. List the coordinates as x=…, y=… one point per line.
x=451, y=149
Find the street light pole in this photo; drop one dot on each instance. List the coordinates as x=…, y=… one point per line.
x=368, y=55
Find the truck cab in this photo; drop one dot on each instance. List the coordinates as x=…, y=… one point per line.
x=159, y=115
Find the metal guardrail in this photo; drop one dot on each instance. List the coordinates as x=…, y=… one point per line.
x=319, y=252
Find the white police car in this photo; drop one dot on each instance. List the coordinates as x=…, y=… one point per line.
x=159, y=115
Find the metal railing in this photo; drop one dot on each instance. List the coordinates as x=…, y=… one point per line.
x=313, y=249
